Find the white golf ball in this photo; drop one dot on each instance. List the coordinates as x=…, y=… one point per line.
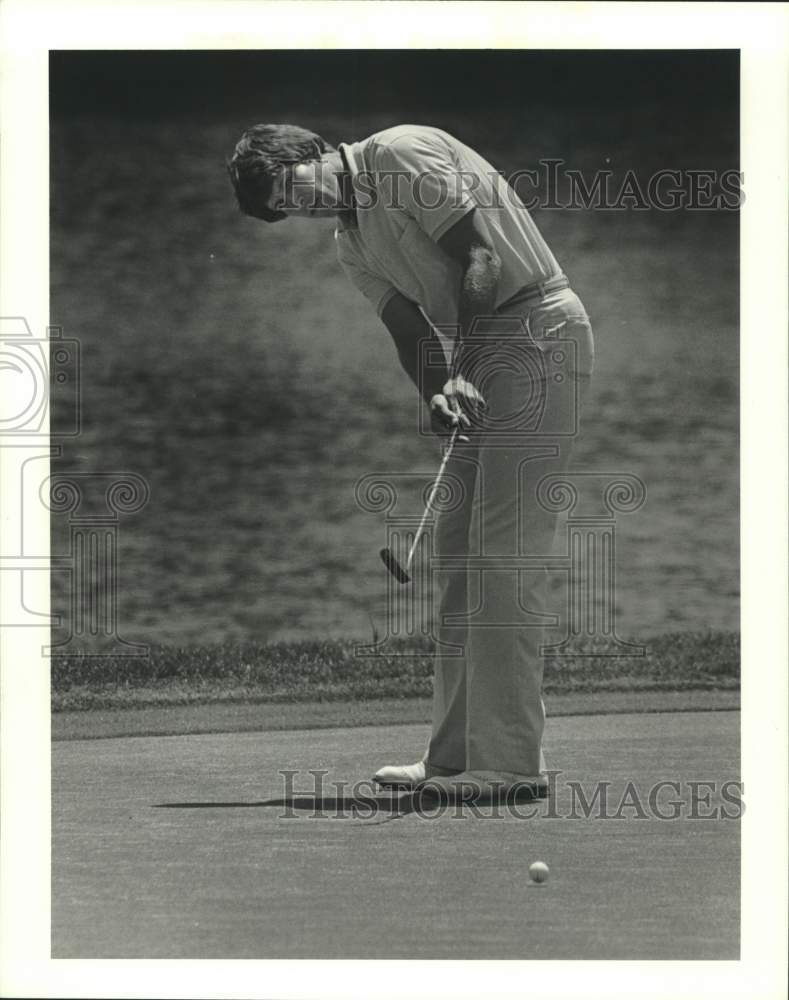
x=538, y=872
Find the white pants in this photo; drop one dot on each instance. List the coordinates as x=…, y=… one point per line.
x=533, y=370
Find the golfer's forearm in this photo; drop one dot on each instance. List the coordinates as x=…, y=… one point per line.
x=428, y=379
x=418, y=347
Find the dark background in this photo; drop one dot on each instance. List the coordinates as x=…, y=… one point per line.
x=230, y=364
x=141, y=84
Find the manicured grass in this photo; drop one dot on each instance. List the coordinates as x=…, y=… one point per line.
x=320, y=672
x=254, y=717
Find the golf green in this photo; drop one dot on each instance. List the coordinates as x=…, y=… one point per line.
x=197, y=847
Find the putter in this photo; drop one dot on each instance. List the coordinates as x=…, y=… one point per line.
x=400, y=573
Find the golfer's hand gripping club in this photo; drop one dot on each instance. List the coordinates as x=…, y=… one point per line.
x=451, y=407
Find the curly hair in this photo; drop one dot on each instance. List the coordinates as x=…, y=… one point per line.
x=259, y=156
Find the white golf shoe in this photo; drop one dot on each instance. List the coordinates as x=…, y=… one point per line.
x=408, y=776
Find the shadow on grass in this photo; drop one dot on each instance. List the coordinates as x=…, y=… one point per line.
x=392, y=805
x=323, y=806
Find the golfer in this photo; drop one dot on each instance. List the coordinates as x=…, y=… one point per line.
x=438, y=242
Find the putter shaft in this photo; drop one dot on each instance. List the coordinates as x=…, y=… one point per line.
x=431, y=497
x=399, y=572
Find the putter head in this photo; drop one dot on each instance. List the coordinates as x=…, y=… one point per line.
x=394, y=566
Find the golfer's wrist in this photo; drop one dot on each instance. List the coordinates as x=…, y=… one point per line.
x=461, y=362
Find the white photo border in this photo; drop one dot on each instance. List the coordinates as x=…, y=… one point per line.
x=28, y=30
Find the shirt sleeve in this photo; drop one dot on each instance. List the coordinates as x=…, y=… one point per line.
x=372, y=286
x=420, y=173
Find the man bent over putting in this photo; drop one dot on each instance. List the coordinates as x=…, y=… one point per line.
x=434, y=237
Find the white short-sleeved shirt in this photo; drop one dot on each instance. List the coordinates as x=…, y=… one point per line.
x=412, y=184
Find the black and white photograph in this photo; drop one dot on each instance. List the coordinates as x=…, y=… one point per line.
x=378, y=444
